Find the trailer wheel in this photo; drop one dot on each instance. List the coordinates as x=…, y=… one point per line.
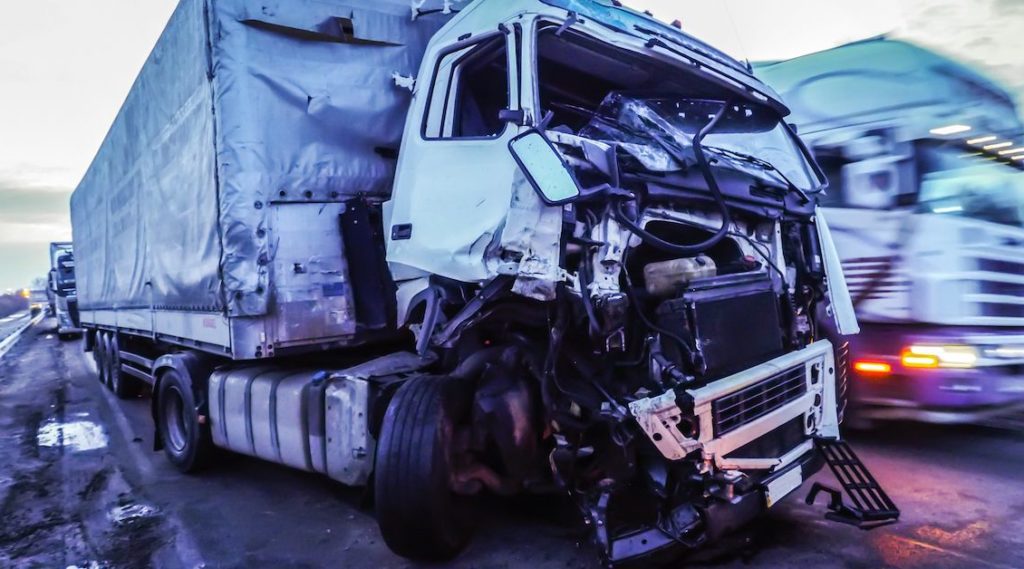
x=123, y=385
x=420, y=517
x=100, y=355
x=187, y=443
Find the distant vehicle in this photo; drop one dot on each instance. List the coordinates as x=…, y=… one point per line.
x=522, y=246
x=63, y=291
x=926, y=202
x=38, y=300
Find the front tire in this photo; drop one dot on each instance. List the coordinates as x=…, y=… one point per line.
x=420, y=517
x=187, y=443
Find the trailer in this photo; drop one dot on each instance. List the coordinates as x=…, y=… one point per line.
x=461, y=248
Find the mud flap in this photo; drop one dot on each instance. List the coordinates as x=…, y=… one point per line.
x=871, y=507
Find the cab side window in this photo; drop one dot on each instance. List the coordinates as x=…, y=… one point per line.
x=469, y=91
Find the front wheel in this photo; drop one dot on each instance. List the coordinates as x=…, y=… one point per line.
x=187, y=443
x=420, y=517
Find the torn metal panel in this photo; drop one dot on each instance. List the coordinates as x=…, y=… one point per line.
x=607, y=261
x=533, y=233
x=659, y=418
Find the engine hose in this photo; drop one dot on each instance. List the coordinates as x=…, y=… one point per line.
x=716, y=192
x=634, y=303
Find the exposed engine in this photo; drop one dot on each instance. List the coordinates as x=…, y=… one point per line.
x=662, y=309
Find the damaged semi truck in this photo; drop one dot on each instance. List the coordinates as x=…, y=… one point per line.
x=503, y=247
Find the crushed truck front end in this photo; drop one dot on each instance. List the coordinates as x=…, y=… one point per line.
x=618, y=256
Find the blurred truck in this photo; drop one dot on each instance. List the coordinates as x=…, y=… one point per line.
x=39, y=300
x=926, y=202
x=62, y=290
x=514, y=246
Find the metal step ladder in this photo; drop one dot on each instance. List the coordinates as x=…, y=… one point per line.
x=870, y=506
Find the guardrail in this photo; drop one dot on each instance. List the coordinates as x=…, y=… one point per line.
x=8, y=342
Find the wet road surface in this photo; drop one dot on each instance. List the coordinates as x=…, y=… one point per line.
x=10, y=324
x=80, y=486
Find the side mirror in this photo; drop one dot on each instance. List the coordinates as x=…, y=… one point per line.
x=544, y=168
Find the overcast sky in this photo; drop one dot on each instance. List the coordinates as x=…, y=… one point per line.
x=66, y=65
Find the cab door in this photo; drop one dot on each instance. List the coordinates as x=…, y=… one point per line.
x=453, y=187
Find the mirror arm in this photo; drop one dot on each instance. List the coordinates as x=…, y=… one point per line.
x=544, y=122
x=514, y=116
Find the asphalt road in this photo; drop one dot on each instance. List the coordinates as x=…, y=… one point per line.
x=81, y=487
x=8, y=324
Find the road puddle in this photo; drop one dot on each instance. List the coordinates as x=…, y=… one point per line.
x=76, y=436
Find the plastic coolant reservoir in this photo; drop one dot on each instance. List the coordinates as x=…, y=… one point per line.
x=665, y=278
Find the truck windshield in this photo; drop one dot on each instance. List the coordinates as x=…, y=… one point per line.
x=956, y=183
x=65, y=275
x=748, y=138
x=603, y=92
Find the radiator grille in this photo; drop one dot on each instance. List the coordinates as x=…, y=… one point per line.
x=750, y=403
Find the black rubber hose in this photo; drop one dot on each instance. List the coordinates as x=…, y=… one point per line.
x=634, y=302
x=716, y=192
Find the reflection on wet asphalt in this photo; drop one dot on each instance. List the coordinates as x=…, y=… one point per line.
x=83, y=488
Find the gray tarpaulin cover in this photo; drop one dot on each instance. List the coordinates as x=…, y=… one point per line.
x=241, y=102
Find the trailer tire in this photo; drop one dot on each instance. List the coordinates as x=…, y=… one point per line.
x=100, y=355
x=419, y=516
x=123, y=385
x=187, y=442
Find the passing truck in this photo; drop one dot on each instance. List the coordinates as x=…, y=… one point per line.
x=62, y=290
x=925, y=158
x=448, y=249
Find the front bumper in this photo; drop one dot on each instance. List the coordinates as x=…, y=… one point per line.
x=742, y=408
x=994, y=387
x=716, y=519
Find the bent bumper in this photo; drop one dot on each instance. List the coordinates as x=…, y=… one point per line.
x=736, y=411
x=716, y=519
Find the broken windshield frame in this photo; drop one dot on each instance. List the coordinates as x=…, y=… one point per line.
x=768, y=151
x=754, y=141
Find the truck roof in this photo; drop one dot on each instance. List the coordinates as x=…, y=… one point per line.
x=885, y=79
x=613, y=14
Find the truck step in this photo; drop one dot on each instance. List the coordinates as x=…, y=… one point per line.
x=870, y=506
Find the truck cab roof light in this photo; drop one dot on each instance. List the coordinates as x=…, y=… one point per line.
x=950, y=129
x=1003, y=144
x=982, y=139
